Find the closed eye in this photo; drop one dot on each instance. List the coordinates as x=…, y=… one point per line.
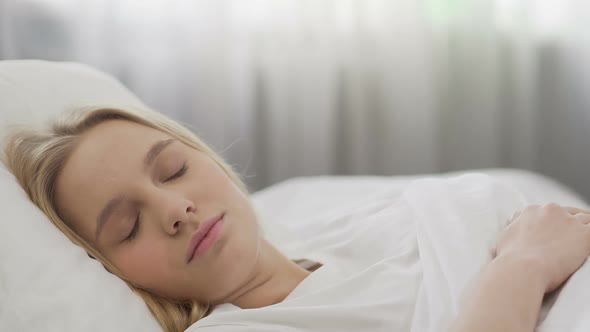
x=178, y=174
x=135, y=229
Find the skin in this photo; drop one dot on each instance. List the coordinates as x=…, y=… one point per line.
x=241, y=268
x=537, y=253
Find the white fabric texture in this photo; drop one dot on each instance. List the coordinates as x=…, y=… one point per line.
x=401, y=263
x=284, y=205
x=33, y=91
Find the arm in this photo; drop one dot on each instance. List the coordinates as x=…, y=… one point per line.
x=536, y=253
x=506, y=297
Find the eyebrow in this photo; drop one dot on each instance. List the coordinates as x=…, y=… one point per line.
x=155, y=150
x=113, y=203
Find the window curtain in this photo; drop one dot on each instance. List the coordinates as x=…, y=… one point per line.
x=285, y=88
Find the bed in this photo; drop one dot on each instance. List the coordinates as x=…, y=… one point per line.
x=49, y=284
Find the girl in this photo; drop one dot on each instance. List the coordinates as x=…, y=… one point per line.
x=159, y=209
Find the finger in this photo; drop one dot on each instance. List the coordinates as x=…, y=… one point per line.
x=583, y=218
x=531, y=208
x=528, y=209
x=554, y=208
x=575, y=210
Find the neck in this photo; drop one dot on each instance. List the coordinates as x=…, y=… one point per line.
x=273, y=278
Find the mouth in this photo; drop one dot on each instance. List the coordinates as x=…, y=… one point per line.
x=204, y=237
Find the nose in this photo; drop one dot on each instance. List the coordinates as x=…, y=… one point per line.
x=178, y=211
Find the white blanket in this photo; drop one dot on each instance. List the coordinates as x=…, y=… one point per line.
x=456, y=232
x=454, y=224
x=457, y=223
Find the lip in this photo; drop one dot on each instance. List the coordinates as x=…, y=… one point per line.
x=198, y=236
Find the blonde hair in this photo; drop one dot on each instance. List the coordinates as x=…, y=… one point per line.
x=36, y=157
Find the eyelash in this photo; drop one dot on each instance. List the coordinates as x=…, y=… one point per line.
x=135, y=229
x=178, y=174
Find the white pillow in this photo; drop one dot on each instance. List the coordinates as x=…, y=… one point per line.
x=46, y=282
x=32, y=91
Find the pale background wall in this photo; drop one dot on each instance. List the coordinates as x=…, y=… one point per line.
x=287, y=88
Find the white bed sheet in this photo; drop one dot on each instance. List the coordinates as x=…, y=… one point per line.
x=285, y=204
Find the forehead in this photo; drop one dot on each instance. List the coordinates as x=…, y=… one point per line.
x=111, y=146
x=106, y=159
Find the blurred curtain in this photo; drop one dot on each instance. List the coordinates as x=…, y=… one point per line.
x=287, y=88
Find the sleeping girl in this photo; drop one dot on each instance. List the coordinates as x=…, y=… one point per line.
x=162, y=211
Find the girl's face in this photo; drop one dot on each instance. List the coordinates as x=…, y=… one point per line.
x=138, y=196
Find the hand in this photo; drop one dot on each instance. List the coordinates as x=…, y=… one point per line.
x=554, y=240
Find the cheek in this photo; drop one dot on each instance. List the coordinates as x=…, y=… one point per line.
x=144, y=263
